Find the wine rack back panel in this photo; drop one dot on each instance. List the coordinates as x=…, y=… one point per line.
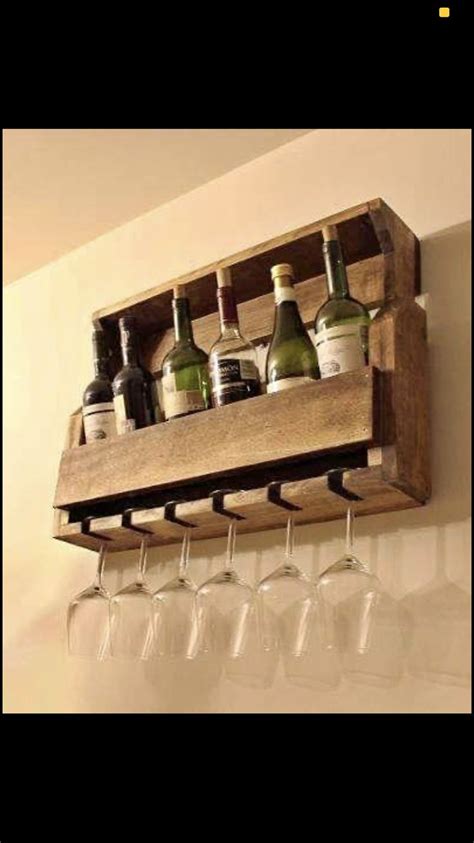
x=360, y=436
x=381, y=253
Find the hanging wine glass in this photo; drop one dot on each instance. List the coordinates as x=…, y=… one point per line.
x=222, y=604
x=88, y=617
x=131, y=628
x=292, y=605
x=174, y=610
x=348, y=585
x=282, y=591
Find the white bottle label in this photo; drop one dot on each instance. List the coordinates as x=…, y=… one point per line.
x=340, y=349
x=123, y=424
x=288, y=383
x=99, y=422
x=177, y=402
x=284, y=294
x=248, y=370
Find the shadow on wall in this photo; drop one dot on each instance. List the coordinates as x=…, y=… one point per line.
x=435, y=616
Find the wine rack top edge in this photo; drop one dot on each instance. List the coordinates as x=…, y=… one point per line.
x=365, y=230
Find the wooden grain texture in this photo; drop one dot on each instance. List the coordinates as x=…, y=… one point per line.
x=75, y=431
x=338, y=412
x=401, y=251
x=318, y=504
x=256, y=317
x=251, y=269
x=399, y=348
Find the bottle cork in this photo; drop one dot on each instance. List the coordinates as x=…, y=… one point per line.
x=330, y=233
x=224, y=278
x=282, y=274
x=179, y=291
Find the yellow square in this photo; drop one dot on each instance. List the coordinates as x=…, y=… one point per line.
x=444, y=12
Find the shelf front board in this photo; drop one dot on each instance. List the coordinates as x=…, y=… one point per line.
x=316, y=499
x=335, y=413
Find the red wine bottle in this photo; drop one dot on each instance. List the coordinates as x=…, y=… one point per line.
x=97, y=401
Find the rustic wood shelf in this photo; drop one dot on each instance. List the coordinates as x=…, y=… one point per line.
x=371, y=425
x=338, y=412
x=317, y=502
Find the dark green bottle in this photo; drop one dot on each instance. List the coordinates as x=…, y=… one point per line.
x=185, y=381
x=291, y=358
x=342, y=323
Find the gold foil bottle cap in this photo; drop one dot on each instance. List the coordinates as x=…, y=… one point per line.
x=330, y=233
x=224, y=278
x=282, y=274
x=179, y=292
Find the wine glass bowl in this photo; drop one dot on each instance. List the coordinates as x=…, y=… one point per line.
x=174, y=611
x=130, y=616
x=282, y=593
x=88, y=618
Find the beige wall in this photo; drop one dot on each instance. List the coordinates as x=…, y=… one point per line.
x=421, y=555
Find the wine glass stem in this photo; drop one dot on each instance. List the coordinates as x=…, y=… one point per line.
x=229, y=562
x=290, y=538
x=142, y=561
x=184, y=561
x=100, y=566
x=349, y=531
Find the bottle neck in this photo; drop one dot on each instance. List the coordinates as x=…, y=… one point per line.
x=227, y=310
x=100, y=353
x=183, y=329
x=335, y=270
x=101, y=368
x=129, y=354
x=129, y=346
x=287, y=316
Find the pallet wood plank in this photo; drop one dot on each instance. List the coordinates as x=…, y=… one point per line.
x=337, y=412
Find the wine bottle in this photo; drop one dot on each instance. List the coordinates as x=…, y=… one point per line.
x=98, y=400
x=291, y=357
x=185, y=381
x=133, y=399
x=232, y=359
x=342, y=323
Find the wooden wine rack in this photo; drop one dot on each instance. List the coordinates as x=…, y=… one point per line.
x=360, y=436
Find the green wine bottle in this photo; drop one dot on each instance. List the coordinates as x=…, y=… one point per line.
x=185, y=381
x=342, y=323
x=291, y=357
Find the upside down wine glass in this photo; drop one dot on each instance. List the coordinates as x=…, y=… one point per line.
x=130, y=615
x=88, y=617
x=173, y=610
x=292, y=604
x=283, y=590
x=221, y=606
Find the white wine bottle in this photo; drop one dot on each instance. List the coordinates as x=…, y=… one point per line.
x=185, y=381
x=291, y=358
x=232, y=358
x=342, y=323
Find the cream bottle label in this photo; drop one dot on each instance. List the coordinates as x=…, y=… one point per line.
x=340, y=349
x=288, y=383
x=179, y=402
x=123, y=424
x=99, y=422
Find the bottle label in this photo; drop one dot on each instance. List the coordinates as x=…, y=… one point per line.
x=284, y=294
x=288, y=383
x=341, y=349
x=228, y=373
x=123, y=424
x=99, y=422
x=178, y=402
